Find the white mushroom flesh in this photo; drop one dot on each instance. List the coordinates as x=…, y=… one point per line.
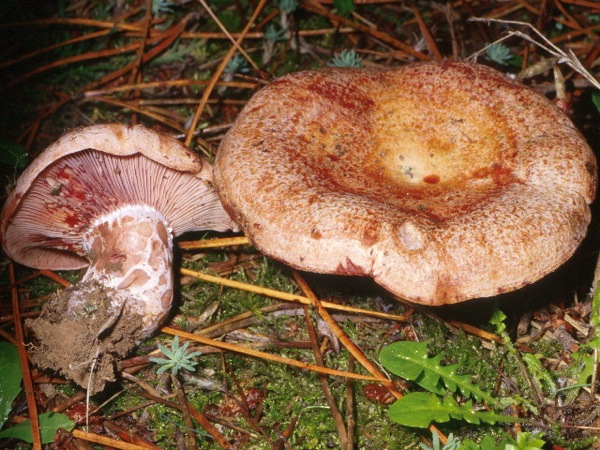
x=131, y=250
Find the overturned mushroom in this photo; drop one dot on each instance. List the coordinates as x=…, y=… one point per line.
x=442, y=181
x=110, y=196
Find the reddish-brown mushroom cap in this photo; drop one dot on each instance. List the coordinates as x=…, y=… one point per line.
x=442, y=181
x=91, y=171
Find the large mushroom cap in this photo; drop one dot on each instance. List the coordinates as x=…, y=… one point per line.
x=92, y=171
x=442, y=181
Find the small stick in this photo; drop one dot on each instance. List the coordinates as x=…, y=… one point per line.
x=218, y=72
x=187, y=417
x=326, y=388
x=350, y=413
x=270, y=357
x=567, y=57
x=89, y=386
x=54, y=277
x=109, y=442
x=212, y=243
x=344, y=339
x=27, y=382
x=287, y=296
x=431, y=45
x=210, y=428
x=235, y=42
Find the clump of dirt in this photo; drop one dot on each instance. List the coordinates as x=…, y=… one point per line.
x=82, y=332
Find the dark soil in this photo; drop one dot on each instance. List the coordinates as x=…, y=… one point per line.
x=84, y=337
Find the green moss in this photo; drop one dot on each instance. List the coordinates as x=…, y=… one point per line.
x=548, y=347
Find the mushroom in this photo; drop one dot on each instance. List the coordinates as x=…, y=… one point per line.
x=111, y=197
x=443, y=181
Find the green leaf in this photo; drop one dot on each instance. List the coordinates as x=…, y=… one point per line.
x=346, y=58
x=10, y=378
x=12, y=154
x=177, y=358
x=596, y=100
x=499, y=53
x=498, y=318
x=50, y=422
x=419, y=409
x=540, y=375
x=343, y=7
x=409, y=360
x=527, y=441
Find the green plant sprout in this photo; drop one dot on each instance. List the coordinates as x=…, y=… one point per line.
x=176, y=358
x=499, y=53
x=523, y=441
x=160, y=7
x=452, y=444
x=237, y=64
x=527, y=441
x=287, y=6
x=346, y=58
x=536, y=375
x=272, y=34
x=585, y=359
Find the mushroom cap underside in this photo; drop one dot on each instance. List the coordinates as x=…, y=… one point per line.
x=92, y=171
x=442, y=181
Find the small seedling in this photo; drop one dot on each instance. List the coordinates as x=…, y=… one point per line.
x=452, y=444
x=160, y=7
x=237, y=64
x=499, y=53
x=346, y=58
x=527, y=441
x=287, y=6
x=176, y=358
x=272, y=34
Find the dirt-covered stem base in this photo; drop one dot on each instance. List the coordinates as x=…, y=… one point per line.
x=124, y=296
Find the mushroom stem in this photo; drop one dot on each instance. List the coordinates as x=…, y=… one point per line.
x=124, y=296
x=130, y=251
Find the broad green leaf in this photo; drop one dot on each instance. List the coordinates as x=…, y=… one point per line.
x=419, y=409
x=409, y=360
x=10, y=378
x=50, y=423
